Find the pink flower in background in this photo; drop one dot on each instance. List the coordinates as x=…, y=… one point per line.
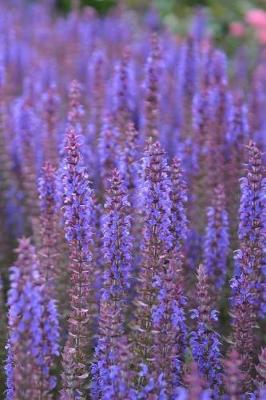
x=237, y=29
x=256, y=18
x=261, y=36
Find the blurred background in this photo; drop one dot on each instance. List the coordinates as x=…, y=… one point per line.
x=227, y=19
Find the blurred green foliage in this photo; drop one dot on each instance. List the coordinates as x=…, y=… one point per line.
x=224, y=8
x=178, y=13
x=223, y=11
x=101, y=6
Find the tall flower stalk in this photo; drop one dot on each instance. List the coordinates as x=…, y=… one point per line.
x=157, y=243
x=261, y=369
x=76, y=110
x=111, y=370
x=204, y=340
x=234, y=378
x=51, y=104
x=97, y=71
x=78, y=212
x=152, y=92
x=178, y=196
x=169, y=324
x=196, y=384
x=129, y=160
x=6, y=181
x=33, y=330
x=248, y=284
x=216, y=242
x=122, y=106
x=49, y=227
x=27, y=123
x=168, y=313
x=108, y=149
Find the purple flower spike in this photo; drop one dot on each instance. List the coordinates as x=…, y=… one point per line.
x=122, y=105
x=108, y=149
x=204, y=340
x=97, y=71
x=196, y=384
x=49, y=225
x=234, y=378
x=216, y=242
x=158, y=241
x=9, y=370
x=248, y=284
x=76, y=111
x=188, y=68
x=117, y=246
x=78, y=216
x=27, y=123
x=178, y=197
x=169, y=324
x=261, y=369
x=33, y=329
x=152, y=94
x=129, y=159
x=50, y=119
x=111, y=374
x=252, y=225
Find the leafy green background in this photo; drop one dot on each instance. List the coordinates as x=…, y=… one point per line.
x=177, y=13
x=225, y=10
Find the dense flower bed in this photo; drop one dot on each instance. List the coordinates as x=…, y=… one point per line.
x=132, y=186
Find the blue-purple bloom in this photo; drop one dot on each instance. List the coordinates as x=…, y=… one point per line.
x=169, y=322
x=49, y=228
x=117, y=247
x=216, y=242
x=151, y=109
x=248, y=284
x=234, y=378
x=108, y=149
x=196, y=385
x=78, y=217
x=178, y=196
x=205, y=342
x=111, y=373
x=122, y=110
x=158, y=241
x=129, y=160
x=33, y=334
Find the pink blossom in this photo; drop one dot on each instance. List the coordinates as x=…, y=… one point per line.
x=237, y=29
x=261, y=36
x=256, y=18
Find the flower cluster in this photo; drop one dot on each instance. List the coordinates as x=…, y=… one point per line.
x=248, y=283
x=33, y=329
x=136, y=165
x=234, y=378
x=216, y=241
x=78, y=217
x=204, y=340
x=111, y=369
x=156, y=247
